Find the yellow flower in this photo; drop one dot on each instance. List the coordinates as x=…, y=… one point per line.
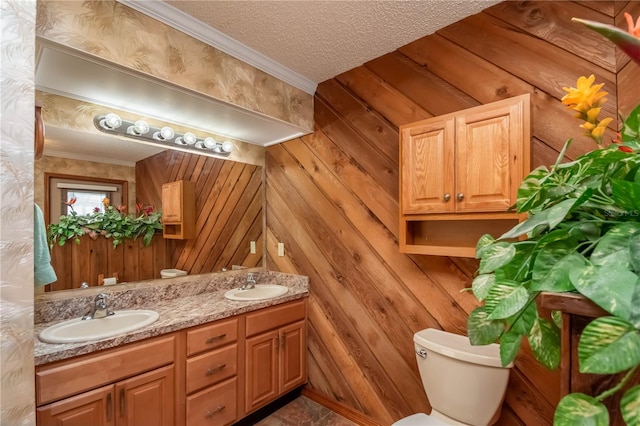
x=587, y=99
x=105, y=202
x=584, y=96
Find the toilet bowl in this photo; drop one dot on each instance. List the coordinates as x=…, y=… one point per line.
x=465, y=384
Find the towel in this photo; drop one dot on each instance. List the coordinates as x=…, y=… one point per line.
x=43, y=272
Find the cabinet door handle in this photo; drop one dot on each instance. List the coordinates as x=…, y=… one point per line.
x=213, y=412
x=211, y=371
x=109, y=407
x=460, y=196
x=214, y=338
x=123, y=403
x=447, y=197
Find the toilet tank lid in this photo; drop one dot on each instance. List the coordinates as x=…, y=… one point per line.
x=458, y=347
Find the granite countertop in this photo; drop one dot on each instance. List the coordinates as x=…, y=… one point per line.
x=203, y=302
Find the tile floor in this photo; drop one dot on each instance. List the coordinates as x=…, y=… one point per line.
x=304, y=412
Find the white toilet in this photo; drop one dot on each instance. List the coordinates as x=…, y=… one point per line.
x=465, y=384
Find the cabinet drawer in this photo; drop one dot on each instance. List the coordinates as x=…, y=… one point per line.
x=213, y=406
x=212, y=367
x=270, y=318
x=212, y=336
x=86, y=372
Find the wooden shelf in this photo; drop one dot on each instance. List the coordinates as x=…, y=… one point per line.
x=571, y=303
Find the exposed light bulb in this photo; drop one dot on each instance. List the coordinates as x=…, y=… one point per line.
x=111, y=121
x=227, y=146
x=140, y=127
x=164, y=134
x=189, y=138
x=210, y=143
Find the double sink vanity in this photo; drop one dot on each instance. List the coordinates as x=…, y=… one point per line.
x=205, y=349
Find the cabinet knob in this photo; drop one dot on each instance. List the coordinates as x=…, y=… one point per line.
x=460, y=196
x=447, y=197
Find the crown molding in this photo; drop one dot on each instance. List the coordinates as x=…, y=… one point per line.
x=181, y=21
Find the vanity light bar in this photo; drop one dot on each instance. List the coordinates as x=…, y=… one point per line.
x=113, y=124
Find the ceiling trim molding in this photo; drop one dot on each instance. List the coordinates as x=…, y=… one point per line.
x=181, y=21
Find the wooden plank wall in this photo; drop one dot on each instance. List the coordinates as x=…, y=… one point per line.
x=332, y=195
x=229, y=208
x=130, y=261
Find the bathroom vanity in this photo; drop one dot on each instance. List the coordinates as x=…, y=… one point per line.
x=207, y=360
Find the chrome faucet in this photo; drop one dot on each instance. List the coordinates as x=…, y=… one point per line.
x=251, y=281
x=99, y=308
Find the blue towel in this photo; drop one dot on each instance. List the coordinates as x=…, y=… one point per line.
x=43, y=272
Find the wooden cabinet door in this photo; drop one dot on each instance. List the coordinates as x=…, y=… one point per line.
x=261, y=370
x=146, y=399
x=427, y=166
x=292, y=354
x=172, y=202
x=489, y=156
x=93, y=408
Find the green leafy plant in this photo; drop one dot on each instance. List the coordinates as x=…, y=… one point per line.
x=111, y=223
x=582, y=235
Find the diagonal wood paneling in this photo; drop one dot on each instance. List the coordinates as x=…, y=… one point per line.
x=332, y=195
x=229, y=208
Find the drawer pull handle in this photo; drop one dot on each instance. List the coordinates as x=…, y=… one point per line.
x=216, y=338
x=213, y=370
x=212, y=413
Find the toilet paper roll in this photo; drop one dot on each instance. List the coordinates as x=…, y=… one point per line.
x=110, y=281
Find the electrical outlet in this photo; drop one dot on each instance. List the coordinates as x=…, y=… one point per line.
x=280, y=249
x=253, y=247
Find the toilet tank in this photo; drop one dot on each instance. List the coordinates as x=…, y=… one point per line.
x=464, y=382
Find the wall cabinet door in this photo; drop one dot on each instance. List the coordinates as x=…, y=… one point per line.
x=146, y=399
x=427, y=161
x=178, y=210
x=172, y=202
x=470, y=161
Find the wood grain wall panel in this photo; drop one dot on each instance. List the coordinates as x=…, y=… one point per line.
x=229, y=205
x=332, y=196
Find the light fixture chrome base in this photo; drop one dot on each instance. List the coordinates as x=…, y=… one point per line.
x=114, y=125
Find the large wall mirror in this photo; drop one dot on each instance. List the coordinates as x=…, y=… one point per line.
x=228, y=191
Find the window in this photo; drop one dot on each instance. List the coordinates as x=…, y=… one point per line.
x=88, y=192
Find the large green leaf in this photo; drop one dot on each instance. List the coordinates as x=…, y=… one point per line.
x=495, y=256
x=485, y=241
x=505, y=298
x=626, y=195
x=481, y=329
x=481, y=285
x=614, y=248
x=578, y=409
x=549, y=218
x=529, y=192
x=523, y=321
x=552, y=267
x=610, y=287
x=544, y=340
x=608, y=345
x=509, y=347
x=630, y=406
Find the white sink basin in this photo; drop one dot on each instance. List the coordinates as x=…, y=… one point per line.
x=259, y=292
x=79, y=330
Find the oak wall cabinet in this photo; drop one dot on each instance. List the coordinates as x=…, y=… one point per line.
x=118, y=387
x=459, y=173
x=275, y=353
x=178, y=210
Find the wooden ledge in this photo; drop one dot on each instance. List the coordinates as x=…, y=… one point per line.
x=571, y=303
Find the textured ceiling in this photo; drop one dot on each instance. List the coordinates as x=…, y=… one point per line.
x=321, y=39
